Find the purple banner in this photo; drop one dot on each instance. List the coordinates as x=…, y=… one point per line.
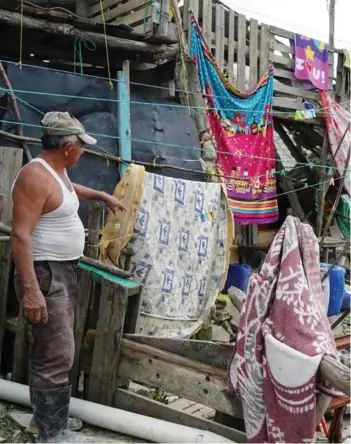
x=311, y=61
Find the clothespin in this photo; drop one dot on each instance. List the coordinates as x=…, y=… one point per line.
x=298, y=115
x=283, y=173
x=331, y=181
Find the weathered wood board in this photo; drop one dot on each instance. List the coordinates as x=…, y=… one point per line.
x=249, y=46
x=135, y=403
x=202, y=383
x=10, y=163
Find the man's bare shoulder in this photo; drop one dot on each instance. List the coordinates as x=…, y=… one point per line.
x=34, y=179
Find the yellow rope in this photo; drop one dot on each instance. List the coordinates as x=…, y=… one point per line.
x=106, y=45
x=21, y=36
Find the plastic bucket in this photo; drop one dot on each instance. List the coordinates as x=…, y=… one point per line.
x=337, y=287
x=238, y=276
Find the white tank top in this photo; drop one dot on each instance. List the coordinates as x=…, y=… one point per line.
x=59, y=235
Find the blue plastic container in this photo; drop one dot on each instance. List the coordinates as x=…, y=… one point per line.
x=238, y=276
x=337, y=288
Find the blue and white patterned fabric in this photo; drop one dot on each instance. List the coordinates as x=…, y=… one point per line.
x=181, y=258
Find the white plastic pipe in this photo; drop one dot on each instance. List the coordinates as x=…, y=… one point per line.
x=116, y=420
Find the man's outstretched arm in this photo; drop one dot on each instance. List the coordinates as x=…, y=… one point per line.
x=85, y=193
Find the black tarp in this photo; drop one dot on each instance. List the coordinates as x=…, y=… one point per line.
x=153, y=125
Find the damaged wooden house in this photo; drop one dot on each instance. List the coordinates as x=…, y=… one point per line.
x=128, y=71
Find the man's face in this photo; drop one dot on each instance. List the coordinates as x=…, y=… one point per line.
x=73, y=151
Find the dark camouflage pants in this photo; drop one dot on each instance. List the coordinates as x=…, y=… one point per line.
x=52, y=350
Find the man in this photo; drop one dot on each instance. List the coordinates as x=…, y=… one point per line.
x=47, y=240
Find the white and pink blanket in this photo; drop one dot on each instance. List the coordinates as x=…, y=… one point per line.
x=283, y=335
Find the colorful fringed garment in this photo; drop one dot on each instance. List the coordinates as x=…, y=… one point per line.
x=241, y=125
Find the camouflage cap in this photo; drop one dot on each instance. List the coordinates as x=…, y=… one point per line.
x=57, y=123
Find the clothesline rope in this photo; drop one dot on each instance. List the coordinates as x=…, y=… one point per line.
x=166, y=105
x=308, y=164
x=147, y=85
x=258, y=200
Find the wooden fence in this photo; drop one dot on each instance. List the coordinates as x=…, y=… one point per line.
x=244, y=47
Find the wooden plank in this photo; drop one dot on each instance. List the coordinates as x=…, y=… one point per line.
x=98, y=274
x=114, y=340
x=287, y=186
x=281, y=32
x=10, y=164
x=115, y=43
x=175, y=374
x=215, y=354
x=81, y=314
x=132, y=315
x=264, y=48
x=195, y=6
x=5, y=266
x=132, y=402
x=342, y=343
x=185, y=17
x=162, y=28
x=295, y=91
x=286, y=61
x=207, y=20
x=231, y=36
x=336, y=373
x=277, y=46
x=284, y=73
x=124, y=124
x=289, y=103
x=253, y=52
x=100, y=344
x=107, y=344
x=219, y=45
x=106, y=4
x=134, y=17
x=111, y=269
x=241, y=62
x=121, y=9
x=92, y=249
x=140, y=29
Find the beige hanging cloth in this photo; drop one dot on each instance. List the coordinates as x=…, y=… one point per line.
x=119, y=228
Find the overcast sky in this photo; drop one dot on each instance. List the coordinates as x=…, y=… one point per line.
x=308, y=17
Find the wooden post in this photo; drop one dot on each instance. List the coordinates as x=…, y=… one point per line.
x=92, y=249
x=82, y=8
x=108, y=337
x=322, y=187
x=331, y=22
x=10, y=164
x=5, y=264
x=288, y=187
x=81, y=315
x=337, y=199
x=162, y=28
x=124, y=126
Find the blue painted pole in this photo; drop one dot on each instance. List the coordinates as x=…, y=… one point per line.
x=124, y=127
